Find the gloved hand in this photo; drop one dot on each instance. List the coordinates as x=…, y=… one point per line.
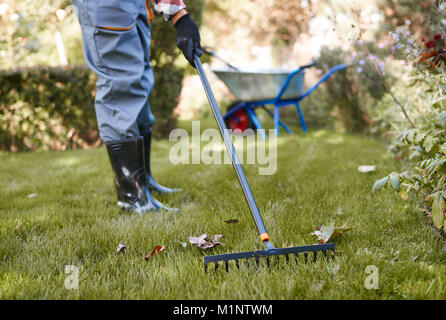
x=188, y=38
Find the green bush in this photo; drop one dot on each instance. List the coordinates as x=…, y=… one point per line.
x=421, y=143
x=47, y=108
x=349, y=93
x=52, y=108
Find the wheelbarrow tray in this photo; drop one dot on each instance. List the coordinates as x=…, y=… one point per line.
x=261, y=85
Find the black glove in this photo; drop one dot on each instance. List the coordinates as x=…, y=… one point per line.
x=188, y=38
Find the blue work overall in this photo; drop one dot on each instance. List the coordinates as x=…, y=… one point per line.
x=116, y=38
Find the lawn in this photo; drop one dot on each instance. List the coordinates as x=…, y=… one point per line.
x=72, y=220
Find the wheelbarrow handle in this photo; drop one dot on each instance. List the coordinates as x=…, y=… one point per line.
x=309, y=65
x=233, y=155
x=208, y=50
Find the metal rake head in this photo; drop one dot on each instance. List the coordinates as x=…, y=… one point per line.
x=267, y=254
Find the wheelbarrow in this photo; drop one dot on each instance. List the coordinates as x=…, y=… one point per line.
x=256, y=89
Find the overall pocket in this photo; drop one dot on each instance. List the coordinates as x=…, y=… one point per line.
x=116, y=15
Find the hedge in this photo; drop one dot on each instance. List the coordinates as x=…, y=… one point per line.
x=47, y=108
x=52, y=108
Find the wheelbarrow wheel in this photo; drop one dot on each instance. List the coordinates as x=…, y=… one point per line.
x=240, y=120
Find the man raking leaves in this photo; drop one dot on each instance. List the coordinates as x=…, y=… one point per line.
x=116, y=36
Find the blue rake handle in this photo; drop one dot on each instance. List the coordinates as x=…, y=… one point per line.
x=234, y=158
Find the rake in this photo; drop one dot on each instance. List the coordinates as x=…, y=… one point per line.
x=263, y=234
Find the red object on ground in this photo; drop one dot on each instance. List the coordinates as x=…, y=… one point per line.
x=154, y=252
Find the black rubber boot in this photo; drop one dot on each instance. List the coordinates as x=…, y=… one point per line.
x=127, y=161
x=152, y=184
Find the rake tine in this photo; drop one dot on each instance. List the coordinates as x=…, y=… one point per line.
x=252, y=258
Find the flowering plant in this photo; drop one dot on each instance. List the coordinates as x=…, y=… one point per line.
x=422, y=146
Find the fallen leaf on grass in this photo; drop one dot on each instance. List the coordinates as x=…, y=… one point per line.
x=328, y=233
x=16, y=228
x=31, y=195
x=121, y=248
x=366, y=169
x=204, y=243
x=154, y=252
x=232, y=221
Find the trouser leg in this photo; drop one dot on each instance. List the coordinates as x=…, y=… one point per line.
x=119, y=57
x=146, y=118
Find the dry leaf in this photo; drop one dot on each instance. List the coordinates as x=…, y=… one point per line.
x=154, y=252
x=31, y=195
x=203, y=242
x=232, y=221
x=366, y=169
x=16, y=228
x=326, y=234
x=197, y=241
x=121, y=248
x=215, y=238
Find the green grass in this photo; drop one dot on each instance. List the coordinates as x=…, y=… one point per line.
x=73, y=220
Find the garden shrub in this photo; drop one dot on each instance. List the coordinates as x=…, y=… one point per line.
x=420, y=145
x=47, y=108
x=349, y=93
